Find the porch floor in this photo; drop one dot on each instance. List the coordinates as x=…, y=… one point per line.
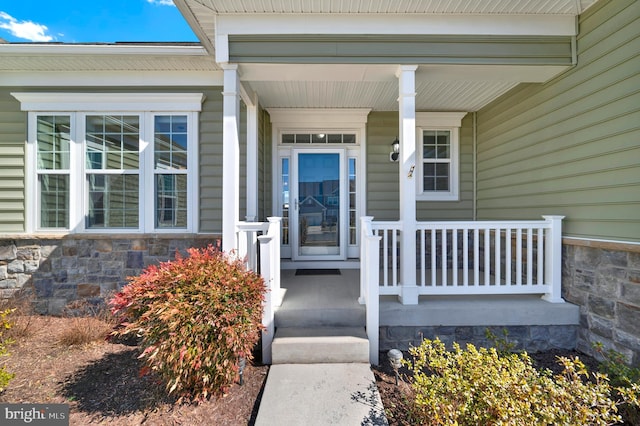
x=320, y=300
x=478, y=310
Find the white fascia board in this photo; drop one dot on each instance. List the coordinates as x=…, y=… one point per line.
x=307, y=117
x=40, y=101
x=420, y=24
x=101, y=49
x=110, y=78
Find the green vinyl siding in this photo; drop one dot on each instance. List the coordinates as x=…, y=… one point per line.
x=265, y=172
x=571, y=146
x=382, y=174
x=13, y=134
x=394, y=49
x=211, y=162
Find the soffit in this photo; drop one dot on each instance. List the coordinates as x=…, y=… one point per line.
x=438, y=87
x=565, y=7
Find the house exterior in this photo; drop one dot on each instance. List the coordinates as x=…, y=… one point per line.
x=115, y=156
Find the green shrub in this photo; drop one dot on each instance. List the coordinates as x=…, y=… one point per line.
x=195, y=316
x=624, y=378
x=5, y=324
x=471, y=387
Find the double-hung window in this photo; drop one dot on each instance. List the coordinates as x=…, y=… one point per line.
x=100, y=168
x=53, y=168
x=438, y=171
x=112, y=171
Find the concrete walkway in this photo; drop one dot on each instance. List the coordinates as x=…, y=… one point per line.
x=320, y=394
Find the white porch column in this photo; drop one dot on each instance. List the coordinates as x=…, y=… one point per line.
x=252, y=158
x=407, y=163
x=230, y=156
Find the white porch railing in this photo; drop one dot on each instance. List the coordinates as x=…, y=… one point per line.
x=259, y=244
x=482, y=257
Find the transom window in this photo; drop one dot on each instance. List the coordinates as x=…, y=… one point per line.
x=318, y=138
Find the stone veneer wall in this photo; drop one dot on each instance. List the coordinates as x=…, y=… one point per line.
x=604, y=280
x=58, y=270
x=532, y=338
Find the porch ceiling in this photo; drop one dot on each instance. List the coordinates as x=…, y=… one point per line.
x=438, y=87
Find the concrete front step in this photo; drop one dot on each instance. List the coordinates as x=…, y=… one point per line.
x=320, y=317
x=313, y=345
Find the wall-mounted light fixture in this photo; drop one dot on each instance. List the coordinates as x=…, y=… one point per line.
x=395, y=151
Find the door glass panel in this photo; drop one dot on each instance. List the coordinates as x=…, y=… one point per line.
x=319, y=203
x=285, y=201
x=352, y=202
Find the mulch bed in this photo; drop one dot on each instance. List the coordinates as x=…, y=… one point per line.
x=102, y=385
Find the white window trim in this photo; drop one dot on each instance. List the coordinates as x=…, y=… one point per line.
x=146, y=105
x=448, y=121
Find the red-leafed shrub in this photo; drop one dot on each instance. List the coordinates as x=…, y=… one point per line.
x=196, y=317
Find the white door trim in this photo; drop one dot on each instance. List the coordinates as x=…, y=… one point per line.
x=286, y=120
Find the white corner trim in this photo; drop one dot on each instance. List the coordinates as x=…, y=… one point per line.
x=338, y=117
x=89, y=102
x=439, y=119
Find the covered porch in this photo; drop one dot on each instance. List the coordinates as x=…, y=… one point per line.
x=465, y=277
x=340, y=94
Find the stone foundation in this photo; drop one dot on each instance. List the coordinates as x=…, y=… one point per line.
x=604, y=280
x=57, y=270
x=532, y=338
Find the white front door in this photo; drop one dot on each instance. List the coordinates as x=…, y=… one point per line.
x=318, y=182
x=318, y=201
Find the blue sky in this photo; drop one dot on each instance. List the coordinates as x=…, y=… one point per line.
x=82, y=21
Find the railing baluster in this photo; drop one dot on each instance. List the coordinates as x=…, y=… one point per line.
x=454, y=259
x=487, y=256
x=444, y=257
x=507, y=256
x=423, y=260
x=498, y=253
x=519, y=257
x=433, y=257
x=540, y=257
x=385, y=256
x=529, y=256
x=476, y=257
x=465, y=257
x=394, y=258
